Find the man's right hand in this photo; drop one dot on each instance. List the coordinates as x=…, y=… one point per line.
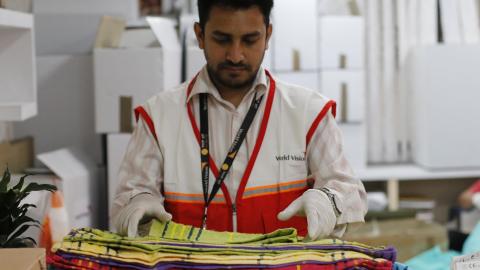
x=140, y=207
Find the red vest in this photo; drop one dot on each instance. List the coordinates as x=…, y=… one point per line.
x=261, y=195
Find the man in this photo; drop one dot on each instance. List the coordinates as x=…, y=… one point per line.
x=234, y=149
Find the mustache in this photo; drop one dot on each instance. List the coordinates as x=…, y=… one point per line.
x=229, y=64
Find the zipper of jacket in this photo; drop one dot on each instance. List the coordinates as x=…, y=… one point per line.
x=234, y=217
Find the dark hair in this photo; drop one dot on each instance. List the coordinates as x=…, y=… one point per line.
x=204, y=7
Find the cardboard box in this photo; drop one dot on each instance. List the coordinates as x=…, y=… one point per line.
x=294, y=42
x=186, y=29
x=18, y=5
x=341, y=42
x=116, y=148
x=165, y=31
x=66, y=81
x=61, y=34
x=109, y=33
x=127, y=9
x=409, y=236
x=76, y=176
x=268, y=58
x=347, y=88
x=23, y=258
x=138, y=73
x=138, y=38
x=194, y=62
x=17, y=154
x=355, y=145
x=444, y=94
x=302, y=78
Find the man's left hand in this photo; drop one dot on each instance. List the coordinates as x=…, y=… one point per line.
x=316, y=206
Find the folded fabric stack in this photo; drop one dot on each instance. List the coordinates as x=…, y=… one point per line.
x=175, y=246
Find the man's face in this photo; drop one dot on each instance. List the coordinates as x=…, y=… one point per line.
x=234, y=43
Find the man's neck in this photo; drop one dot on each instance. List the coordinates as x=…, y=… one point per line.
x=234, y=96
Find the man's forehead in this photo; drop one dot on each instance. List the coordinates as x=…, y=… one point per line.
x=235, y=21
x=248, y=34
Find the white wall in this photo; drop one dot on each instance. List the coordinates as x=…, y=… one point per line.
x=65, y=106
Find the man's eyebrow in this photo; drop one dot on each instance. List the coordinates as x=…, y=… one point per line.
x=252, y=34
x=219, y=33
x=248, y=35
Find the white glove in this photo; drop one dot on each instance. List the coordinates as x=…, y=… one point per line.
x=317, y=207
x=476, y=200
x=140, y=207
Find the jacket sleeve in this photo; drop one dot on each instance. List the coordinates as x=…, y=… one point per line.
x=141, y=170
x=329, y=168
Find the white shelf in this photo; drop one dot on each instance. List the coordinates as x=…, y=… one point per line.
x=413, y=172
x=18, y=88
x=15, y=19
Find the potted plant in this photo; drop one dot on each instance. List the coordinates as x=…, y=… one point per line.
x=13, y=219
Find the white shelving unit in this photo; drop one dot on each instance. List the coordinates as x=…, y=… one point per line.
x=394, y=174
x=18, y=90
x=407, y=172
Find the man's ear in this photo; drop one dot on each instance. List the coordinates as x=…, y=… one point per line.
x=269, y=34
x=200, y=35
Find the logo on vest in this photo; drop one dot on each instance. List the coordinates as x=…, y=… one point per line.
x=291, y=157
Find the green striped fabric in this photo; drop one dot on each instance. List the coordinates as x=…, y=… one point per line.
x=179, y=232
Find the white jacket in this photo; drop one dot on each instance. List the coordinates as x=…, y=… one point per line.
x=301, y=141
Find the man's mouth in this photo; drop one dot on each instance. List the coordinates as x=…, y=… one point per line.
x=235, y=69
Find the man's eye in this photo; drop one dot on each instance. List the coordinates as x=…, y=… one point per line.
x=251, y=41
x=221, y=40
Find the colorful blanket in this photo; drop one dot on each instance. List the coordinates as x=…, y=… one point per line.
x=175, y=246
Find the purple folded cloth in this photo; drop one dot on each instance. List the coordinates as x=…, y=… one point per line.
x=388, y=253
x=185, y=265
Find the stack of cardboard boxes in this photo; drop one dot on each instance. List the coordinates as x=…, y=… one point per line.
x=127, y=73
x=342, y=78
x=65, y=34
x=331, y=62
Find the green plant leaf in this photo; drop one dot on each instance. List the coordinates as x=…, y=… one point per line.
x=34, y=187
x=4, y=220
x=5, y=180
x=31, y=239
x=3, y=239
x=19, y=185
x=37, y=187
x=13, y=214
x=18, y=232
x=8, y=201
x=20, y=242
x=27, y=205
x=22, y=210
x=23, y=219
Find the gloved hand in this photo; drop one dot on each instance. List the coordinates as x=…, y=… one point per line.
x=316, y=206
x=476, y=200
x=142, y=206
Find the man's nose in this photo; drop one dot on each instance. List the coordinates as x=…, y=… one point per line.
x=235, y=53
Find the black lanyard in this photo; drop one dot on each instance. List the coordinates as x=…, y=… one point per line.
x=232, y=152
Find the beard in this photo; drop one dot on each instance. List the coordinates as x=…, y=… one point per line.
x=220, y=75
